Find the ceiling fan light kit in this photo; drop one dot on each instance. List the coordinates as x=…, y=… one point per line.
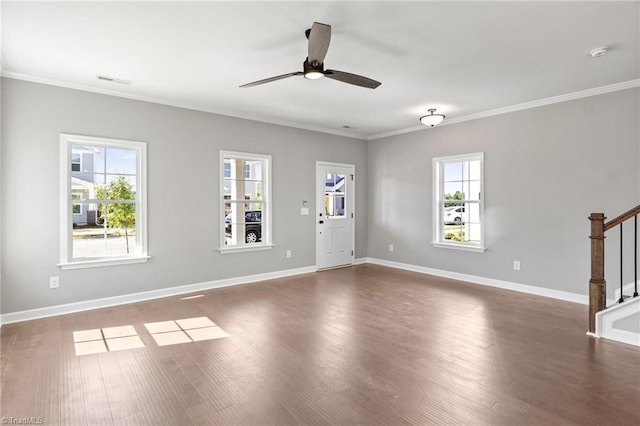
x=313, y=75
x=319, y=36
x=312, y=71
x=599, y=51
x=431, y=119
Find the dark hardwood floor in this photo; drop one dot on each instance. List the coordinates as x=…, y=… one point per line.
x=362, y=345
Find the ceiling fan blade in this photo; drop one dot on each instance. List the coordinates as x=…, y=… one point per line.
x=270, y=79
x=319, y=38
x=354, y=79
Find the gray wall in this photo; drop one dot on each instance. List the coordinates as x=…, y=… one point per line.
x=546, y=170
x=183, y=147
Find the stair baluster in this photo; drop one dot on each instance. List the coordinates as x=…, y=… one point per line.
x=635, y=256
x=621, y=268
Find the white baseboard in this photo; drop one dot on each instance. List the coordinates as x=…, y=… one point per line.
x=146, y=295
x=190, y=288
x=523, y=288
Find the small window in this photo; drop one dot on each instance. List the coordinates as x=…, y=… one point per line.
x=77, y=208
x=458, y=202
x=103, y=202
x=334, y=196
x=245, y=201
x=76, y=159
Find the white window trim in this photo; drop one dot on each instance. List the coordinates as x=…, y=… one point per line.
x=438, y=240
x=66, y=219
x=266, y=243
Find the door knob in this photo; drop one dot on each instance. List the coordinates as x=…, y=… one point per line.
x=321, y=221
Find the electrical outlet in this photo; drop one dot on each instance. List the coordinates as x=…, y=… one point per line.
x=288, y=254
x=54, y=282
x=390, y=247
x=516, y=265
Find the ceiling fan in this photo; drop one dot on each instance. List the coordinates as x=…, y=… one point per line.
x=319, y=36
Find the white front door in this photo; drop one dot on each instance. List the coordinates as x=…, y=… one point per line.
x=334, y=214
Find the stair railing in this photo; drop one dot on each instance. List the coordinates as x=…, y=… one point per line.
x=597, y=283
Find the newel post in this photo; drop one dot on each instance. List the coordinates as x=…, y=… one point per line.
x=597, y=284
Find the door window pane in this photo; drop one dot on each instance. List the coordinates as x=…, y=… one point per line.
x=335, y=200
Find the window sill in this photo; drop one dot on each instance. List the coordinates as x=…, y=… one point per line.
x=98, y=263
x=463, y=247
x=229, y=250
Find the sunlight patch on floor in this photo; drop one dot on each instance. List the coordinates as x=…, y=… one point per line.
x=108, y=339
x=184, y=331
x=164, y=333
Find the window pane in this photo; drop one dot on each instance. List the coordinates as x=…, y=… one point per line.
x=88, y=242
x=99, y=154
x=243, y=187
x=474, y=191
x=474, y=232
x=120, y=229
x=335, y=200
x=453, y=213
x=118, y=187
x=474, y=170
x=453, y=191
x=114, y=235
x=253, y=190
x=454, y=233
x=244, y=219
x=335, y=205
x=452, y=171
x=335, y=183
x=83, y=160
x=121, y=161
x=474, y=212
x=458, y=184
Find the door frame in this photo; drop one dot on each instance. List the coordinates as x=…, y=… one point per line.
x=351, y=202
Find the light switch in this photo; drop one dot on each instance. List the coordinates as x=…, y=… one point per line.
x=304, y=211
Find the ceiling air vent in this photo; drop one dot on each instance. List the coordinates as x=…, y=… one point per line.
x=114, y=80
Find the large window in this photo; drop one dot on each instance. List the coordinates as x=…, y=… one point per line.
x=458, y=202
x=245, y=201
x=103, y=204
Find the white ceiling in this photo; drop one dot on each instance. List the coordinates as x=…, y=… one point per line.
x=463, y=58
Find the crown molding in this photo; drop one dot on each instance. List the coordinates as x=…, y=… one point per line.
x=518, y=107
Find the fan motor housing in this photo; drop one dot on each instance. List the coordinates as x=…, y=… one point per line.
x=311, y=68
